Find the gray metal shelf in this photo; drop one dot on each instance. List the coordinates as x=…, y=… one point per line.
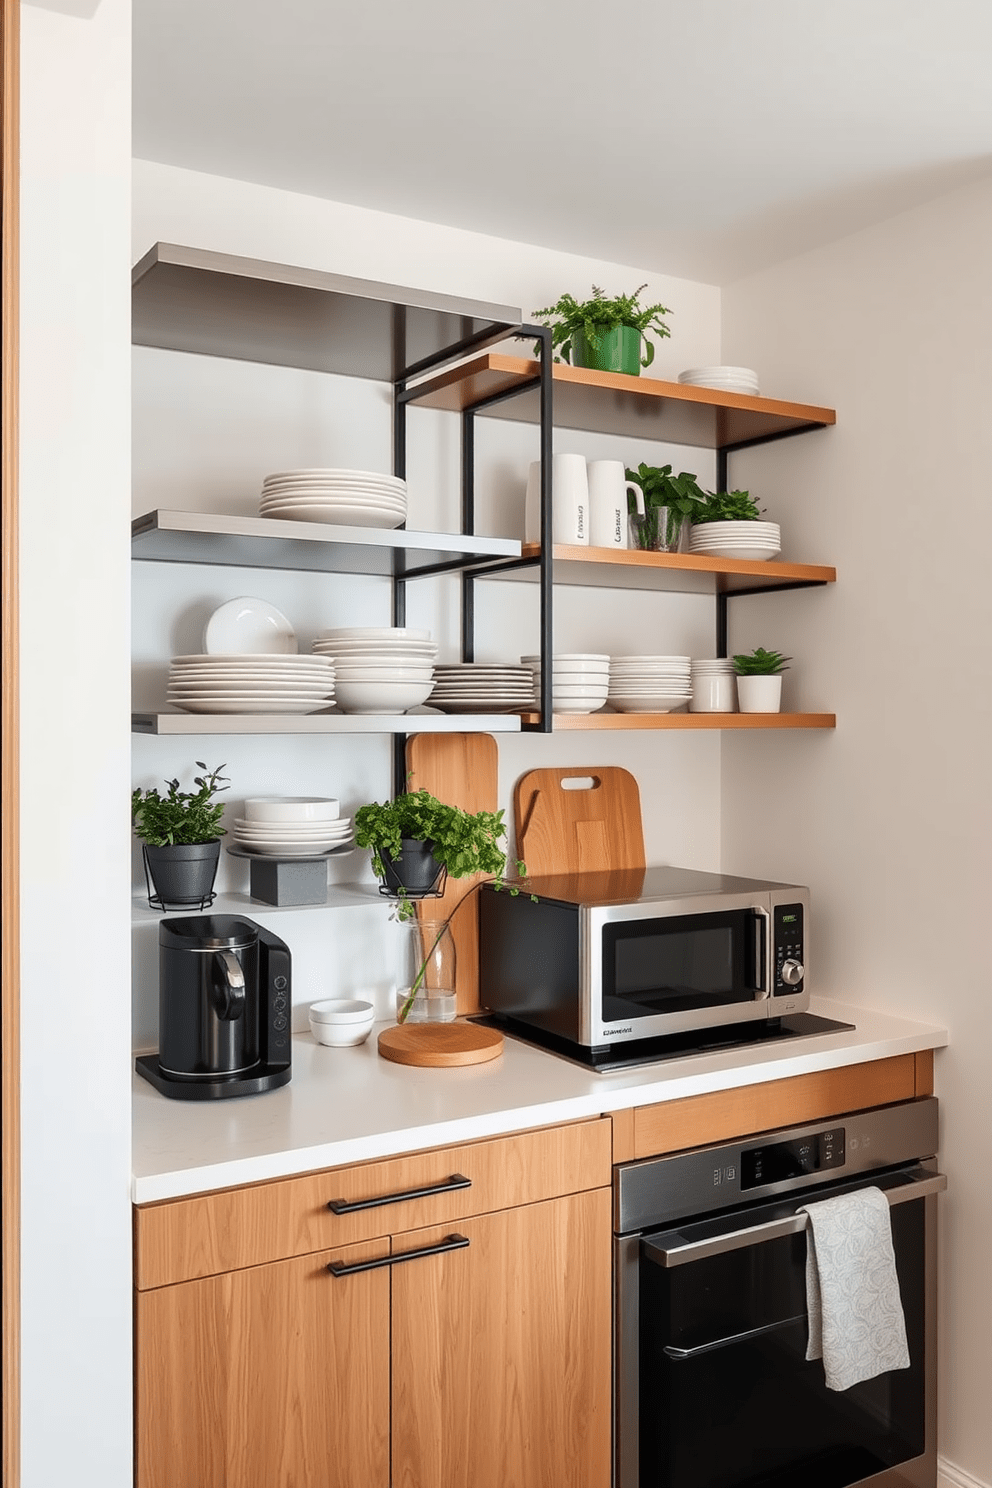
x=325, y=723
x=257, y=542
x=220, y=304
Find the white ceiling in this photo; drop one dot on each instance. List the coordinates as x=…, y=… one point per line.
x=703, y=138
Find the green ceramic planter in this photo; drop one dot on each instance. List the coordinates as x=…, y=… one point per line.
x=619, y=350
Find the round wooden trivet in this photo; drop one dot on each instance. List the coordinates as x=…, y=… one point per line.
x=440, y=1045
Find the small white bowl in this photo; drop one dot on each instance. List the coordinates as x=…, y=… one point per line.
x=341, y=1022
x=382, y=697
x=292, y=809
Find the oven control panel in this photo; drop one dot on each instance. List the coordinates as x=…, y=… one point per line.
x=788, y=969
x=775, y=1161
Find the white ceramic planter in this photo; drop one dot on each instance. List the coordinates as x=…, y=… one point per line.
x=759, y=694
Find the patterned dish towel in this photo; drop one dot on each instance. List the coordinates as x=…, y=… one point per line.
x=856, y=1322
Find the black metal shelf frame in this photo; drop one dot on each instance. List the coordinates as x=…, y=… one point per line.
x=405, y=391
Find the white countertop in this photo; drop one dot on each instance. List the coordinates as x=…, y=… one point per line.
x=348, y=1105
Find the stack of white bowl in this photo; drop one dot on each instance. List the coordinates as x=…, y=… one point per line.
x=474, y=687
x=714, y=685
x=725, y=379
x=265, y=683
x=359, y=498
x=292, y=827
x=648, y=684
x=754, y=540
x=580, y=680
x=379, y=669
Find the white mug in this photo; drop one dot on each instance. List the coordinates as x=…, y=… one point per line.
x=608, y=503
x=569, y=501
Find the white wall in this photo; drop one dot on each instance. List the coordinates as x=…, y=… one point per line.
x=207, y=430
x=75, y=1095
x=890, y=820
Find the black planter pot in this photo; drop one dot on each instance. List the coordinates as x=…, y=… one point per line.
x=181, y=876
x=416, y=871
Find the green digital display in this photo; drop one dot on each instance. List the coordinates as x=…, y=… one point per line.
x=789, y=919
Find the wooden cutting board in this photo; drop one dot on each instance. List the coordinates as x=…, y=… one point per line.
x=461, y=770
x=440, y=1045
x=589, y=830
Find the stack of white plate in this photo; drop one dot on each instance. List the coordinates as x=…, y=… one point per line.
x=726, y=379
x=754, y=540
x=292, y=827
x=474, y=687
x=358, y=498
x=379, y=669
x=251, y=684
x=580, y=680
x=648, y=684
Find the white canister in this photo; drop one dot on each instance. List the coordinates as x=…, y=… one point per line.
x=608, y=488
x=713, y=692
x=569, y=501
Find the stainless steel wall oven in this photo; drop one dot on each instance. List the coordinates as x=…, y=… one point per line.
x=712, y=1387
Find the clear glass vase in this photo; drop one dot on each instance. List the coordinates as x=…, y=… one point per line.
x=426, y=989
x=659, y=530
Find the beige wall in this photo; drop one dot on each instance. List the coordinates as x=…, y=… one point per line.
x=890, y=820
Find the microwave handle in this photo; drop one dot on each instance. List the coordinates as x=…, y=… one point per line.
x=762, y=955
x=919, y=1186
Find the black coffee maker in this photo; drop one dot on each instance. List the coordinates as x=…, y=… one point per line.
x=224, y=1009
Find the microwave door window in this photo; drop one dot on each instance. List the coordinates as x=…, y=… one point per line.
x=677, y=964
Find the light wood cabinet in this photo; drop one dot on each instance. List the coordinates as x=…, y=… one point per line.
x=501, y=1352
x=278, y=1374
x=484, y=1361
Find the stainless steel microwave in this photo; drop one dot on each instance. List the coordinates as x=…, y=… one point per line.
x=606, y=959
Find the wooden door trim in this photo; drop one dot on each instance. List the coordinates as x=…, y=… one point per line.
x=9, y=899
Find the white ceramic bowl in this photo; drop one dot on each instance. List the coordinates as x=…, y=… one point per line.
x=341, y=1022
x=381, y=697
x=292, y=809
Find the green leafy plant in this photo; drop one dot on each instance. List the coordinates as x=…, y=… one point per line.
x=180, y=818
x=761, y=663
x=726, y=506
x=464, y=842
x=598, y=315
x=678, y=493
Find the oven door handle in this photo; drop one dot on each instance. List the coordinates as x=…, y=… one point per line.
x=667, y=1255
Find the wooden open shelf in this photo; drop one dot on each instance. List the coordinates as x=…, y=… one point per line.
x=683, y=572
x=614, y=403
x=566, y=722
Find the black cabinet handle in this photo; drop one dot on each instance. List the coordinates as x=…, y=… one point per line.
x=453, y=1242
x=447, y=1185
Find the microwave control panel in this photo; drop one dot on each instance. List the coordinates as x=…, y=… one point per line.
x=789, y=968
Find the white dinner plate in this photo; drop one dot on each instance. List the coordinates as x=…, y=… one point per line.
x=250, y=705
x=248, y=626
x=340, y=516
x=753, y=555
x=292, y=839
x=335, y=498
x=296, y=852
x=332, y=472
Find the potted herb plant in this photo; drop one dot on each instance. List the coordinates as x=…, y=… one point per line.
x=668, y=501
x=603, y=333
x=759, y=680
x=180, y=836
x=416, y=841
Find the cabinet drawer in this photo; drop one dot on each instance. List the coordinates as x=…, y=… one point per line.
x=181, y=1239
x=672, y=1126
